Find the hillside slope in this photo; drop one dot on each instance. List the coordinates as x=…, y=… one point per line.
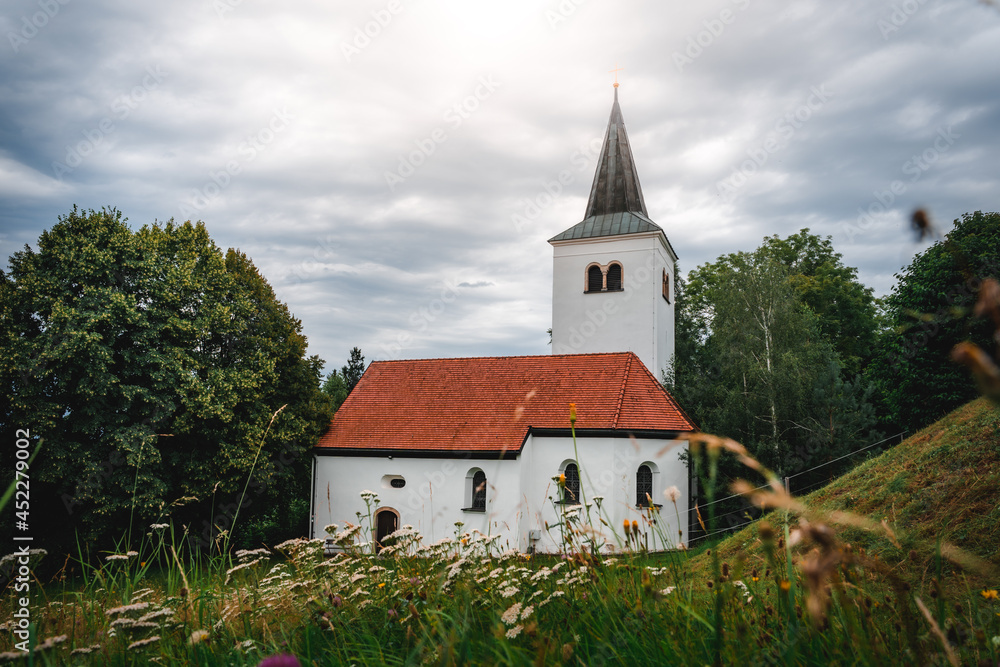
x=941, y=483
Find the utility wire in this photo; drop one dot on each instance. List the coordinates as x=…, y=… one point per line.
x=737, y=495
x=891, y=437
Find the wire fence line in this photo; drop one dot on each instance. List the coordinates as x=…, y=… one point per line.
x=787, y=480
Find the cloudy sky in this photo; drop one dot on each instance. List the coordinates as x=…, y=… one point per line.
x=392, y=166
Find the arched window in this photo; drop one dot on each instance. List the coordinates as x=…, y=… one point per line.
x=479, y=491
x=615, y=278
x=666, y=286
x=595, y=279
x=571, y=494
x=643, y=486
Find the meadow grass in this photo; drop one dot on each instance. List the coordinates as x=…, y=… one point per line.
x=809, y=585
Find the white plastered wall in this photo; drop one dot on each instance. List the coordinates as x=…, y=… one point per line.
x=637, y=319
x=518, y=490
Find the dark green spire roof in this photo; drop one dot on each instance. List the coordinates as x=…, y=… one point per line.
x=616, y=183
x=615, y=205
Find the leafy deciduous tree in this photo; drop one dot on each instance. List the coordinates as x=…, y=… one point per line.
x=151, y=364
x=929, y=310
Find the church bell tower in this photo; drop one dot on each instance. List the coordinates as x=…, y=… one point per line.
x=613, y=272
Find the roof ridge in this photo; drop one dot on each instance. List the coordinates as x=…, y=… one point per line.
x=621, y=392
x=503, y=357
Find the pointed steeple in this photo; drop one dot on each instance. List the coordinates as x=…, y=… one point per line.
x=616, y=183
x=616, y=205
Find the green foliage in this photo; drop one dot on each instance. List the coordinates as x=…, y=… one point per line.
x=844, y=307
x=338, y=385
x=759, y=352
x=354, y=369
x=336, y=388
x=152, y=364
x=929, y=313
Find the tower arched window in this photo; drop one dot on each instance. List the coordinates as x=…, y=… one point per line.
x=666, y=286
x=595, y=279
x=643, y=486
x=615, y=278
x=479, y=491
x=571, y=492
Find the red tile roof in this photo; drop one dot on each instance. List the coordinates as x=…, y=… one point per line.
x=487, y=404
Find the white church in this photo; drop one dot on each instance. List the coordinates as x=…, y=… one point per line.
x=482, y=441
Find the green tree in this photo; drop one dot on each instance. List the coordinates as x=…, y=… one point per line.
x=338, y=385
x=845, y=308
x=336, y=388
x=354, y=369
x=758, y=353
x=152, y=364
x=928, y=310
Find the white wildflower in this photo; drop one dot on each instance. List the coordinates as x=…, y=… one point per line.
x=509, y=592
x=139, y=606
x=527, y=612
x=514, y=632
x=166, y=611
x=143, y=642
x=672, y=494
x=198, y=636
x=510, y=616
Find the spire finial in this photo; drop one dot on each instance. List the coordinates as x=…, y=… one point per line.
x=615, y=72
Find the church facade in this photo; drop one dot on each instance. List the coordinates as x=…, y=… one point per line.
x=486, y=442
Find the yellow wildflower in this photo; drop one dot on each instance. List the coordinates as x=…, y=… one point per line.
x=572, y=413
x=989, y=594
x=382, y=585
x=785, y=585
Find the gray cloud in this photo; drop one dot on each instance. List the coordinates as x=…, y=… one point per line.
x=175, y=107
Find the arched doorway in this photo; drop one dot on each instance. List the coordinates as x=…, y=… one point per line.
x=386, y=523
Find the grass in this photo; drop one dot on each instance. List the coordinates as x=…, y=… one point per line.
x=851, y=595
x=940, y=485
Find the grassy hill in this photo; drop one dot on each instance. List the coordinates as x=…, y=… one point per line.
x=943, y=483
